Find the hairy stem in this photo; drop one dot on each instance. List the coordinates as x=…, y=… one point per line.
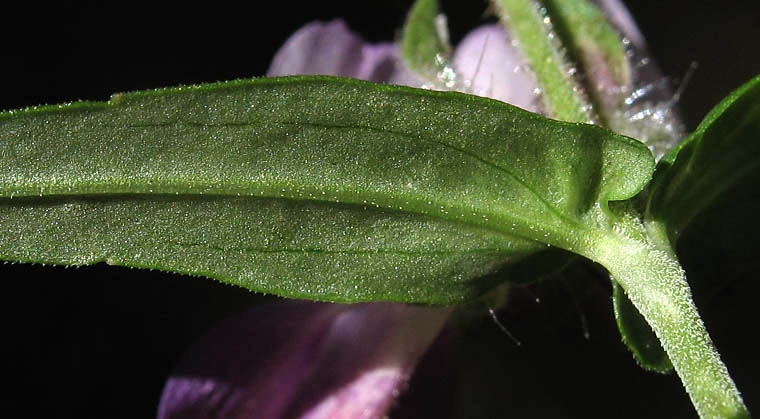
x=656, y=284
x=562, y=96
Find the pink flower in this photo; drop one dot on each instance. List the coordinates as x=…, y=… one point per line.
x=500, y=73
x=331, y=49
x=303, y=359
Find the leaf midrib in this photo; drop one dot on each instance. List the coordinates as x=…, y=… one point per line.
x=548, y=205
x=181, y=187
x=54, y=199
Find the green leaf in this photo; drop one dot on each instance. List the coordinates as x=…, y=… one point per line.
x=294, y=248
x=719, y=247
x=312, y=187
x=637, y=334
x=722, y=150
x=424, y=42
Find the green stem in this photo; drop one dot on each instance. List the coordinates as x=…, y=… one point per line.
x=562, y=96
x=423, y=48
x=656, y=284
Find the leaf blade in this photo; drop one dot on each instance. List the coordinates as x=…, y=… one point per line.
x=716, y=156
x=637, y=335
x=240, y=240
x=511, y=179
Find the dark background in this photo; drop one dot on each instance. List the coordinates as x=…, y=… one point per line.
x=99, y=341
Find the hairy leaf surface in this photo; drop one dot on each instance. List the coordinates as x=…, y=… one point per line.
x=311, y=187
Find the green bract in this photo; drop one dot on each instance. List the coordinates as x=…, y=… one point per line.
x=424, y=48
x=637, y=334
x=596, y=50
x=561, y=93
x=313, y=187
x=722, y=151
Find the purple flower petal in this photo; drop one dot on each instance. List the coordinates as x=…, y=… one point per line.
x=494, y=68
x=332, y=49
x=645, y=70
x=302, y=359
